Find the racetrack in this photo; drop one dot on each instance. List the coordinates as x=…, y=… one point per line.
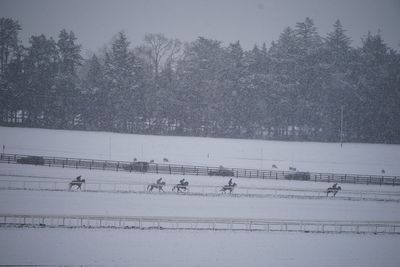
x=100, y=203
x=320, y=228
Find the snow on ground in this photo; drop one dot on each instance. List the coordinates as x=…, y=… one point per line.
x=305, y=156
x=124, y=204
x=193, y=248
x=43, y=173
x=111, y=247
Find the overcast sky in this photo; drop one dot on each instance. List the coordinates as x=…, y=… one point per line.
x=95, y=22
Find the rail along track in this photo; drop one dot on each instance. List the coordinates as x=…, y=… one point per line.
x=194, y=223
x=158, y=168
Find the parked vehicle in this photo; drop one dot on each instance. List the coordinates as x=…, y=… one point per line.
x=221, y=172
x=301, y=176
x=34, y=160
x=138, y=166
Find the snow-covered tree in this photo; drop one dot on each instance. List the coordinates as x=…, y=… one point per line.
x=122, y=81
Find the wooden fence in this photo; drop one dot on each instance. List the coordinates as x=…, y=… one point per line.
x=158, y=168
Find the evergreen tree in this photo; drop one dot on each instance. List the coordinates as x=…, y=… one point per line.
x=95, y=95
x=67, y=91
x=10, y=53
x=122, y=73
x=337, y=86
x=41, y=65
x=377, y=107
x=9, y=29
x=198, y=86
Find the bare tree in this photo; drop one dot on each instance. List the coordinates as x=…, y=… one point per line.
x=160, y=50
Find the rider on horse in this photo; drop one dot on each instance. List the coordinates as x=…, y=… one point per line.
x=182, y=182
x=159, y=180
x=230, y=182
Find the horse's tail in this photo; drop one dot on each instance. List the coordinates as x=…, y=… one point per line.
x=148, y=187
x=173, y=188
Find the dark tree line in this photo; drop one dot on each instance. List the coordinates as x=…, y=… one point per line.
x=293, y=90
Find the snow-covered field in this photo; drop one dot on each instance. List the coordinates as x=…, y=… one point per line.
x=193, y=248
x=109, y=247
x=305, y=156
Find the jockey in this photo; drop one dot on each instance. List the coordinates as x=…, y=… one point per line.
x=182, y=181
x=79, y=178
x=334, y=186
x=230, y=182
x=159, y=181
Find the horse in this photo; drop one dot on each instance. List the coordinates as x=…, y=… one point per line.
x=77, y=183
x=333, y=190
x=159, y=186
x=180, y=187
x=228, y=188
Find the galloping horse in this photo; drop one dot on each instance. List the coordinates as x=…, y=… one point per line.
x=333, y=190
x=228, y=188
x=182, y=186
x=159, y=186
x=77, y=183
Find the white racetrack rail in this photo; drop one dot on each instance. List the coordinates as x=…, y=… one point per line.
x=196, y=223
x=202, y=190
